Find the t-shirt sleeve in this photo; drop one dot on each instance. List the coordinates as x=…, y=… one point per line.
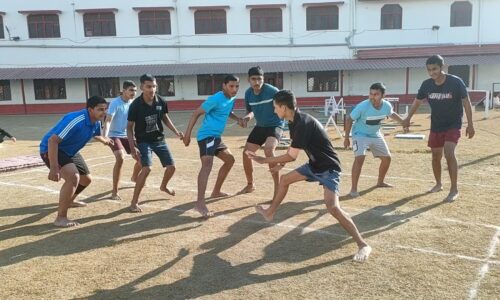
x=247, y=102
x=67, y=127
x=132, y=112
x=98, y=131
x=462, y=89
x=209, y=104
x=422, y=92
x=301, y=136
x=112, y=108
x=356, y=112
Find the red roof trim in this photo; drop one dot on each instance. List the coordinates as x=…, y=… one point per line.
x=153, y=8
x=250, y=6
x=209, y=7
x=454, y=50
x=322, y=3
x=39, y=12
x=96, y=10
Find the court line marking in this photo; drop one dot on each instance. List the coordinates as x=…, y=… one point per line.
x=244, y=195
x=309, y=229
x=484, y=269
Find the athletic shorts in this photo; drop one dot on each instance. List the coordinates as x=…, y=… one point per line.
x=259, y=135
x=211, y=146
x=377, y=145
x=120, y=144
x=64, y=159
x=437, y=139
x=329, y=179
x=160, y=149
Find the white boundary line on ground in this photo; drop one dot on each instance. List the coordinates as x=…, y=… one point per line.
x=303, y=228
x=484, y=269
x=41, y=169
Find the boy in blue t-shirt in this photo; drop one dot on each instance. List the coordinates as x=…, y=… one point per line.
x=367, y=117
x=447, y=95
x=269, y=127
x=115, y=127
x=217, y=109
x=60, y=148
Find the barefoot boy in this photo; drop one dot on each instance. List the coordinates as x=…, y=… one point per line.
x=324, y=166
x=366, y=134
x=217, y=109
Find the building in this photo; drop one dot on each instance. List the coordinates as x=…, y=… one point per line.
x=54, y=54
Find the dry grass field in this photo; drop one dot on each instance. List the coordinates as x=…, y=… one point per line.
x=423, y=248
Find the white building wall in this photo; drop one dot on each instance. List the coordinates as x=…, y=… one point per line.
x=487, y=75
x=358, y=82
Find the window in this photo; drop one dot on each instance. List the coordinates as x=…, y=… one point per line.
x=43, y=26
x=324, y=81
x=2, y=34
x=391, y=17
x=275, y=79
x=322, y=17
x=154, y=22
x=461, y=71
x=5, y=90
x=165, y=86
x=461, y=14
x=210, y=84
x=99, y=24
x=266, y=20
x=46, y=89
x=210, y=21
x=104, y=87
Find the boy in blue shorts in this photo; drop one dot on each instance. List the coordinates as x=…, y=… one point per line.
x=60, y=148
x=217, y=109
x=308, y=134
x=269, y=127
x=145, y=135
x=366, y=134
x=115, y=127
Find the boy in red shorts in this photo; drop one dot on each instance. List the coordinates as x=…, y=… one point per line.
x=448, y=98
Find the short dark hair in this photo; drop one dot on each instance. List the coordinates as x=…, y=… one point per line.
x=255, y=71
x=230, y=77
x=435, y=60
x=147, y=77
x=93, y=101
x=128, y=83
x=378, y=86
x=285, y=97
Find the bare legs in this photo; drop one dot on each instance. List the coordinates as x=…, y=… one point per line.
x=117, y=170
x=206, y=168
x=451, y=160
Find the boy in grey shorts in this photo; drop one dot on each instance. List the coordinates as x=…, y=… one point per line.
x=367, y=117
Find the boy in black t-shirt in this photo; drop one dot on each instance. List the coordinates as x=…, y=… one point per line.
x=145, y=135
x=324, y=166
x=4, y=133
x=448, y=98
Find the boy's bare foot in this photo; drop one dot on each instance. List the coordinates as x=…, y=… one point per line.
x=353, y=194
x=384, y=185
x=171, y=192
x=436, y=188
x=218, y=195
x=452, y=196
x=202, y=209
x=78, y=204
x=116, y=197
x=247, y=189
x=264, y=212
x=135, y=208
x=362, y=254
x=65, y=222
